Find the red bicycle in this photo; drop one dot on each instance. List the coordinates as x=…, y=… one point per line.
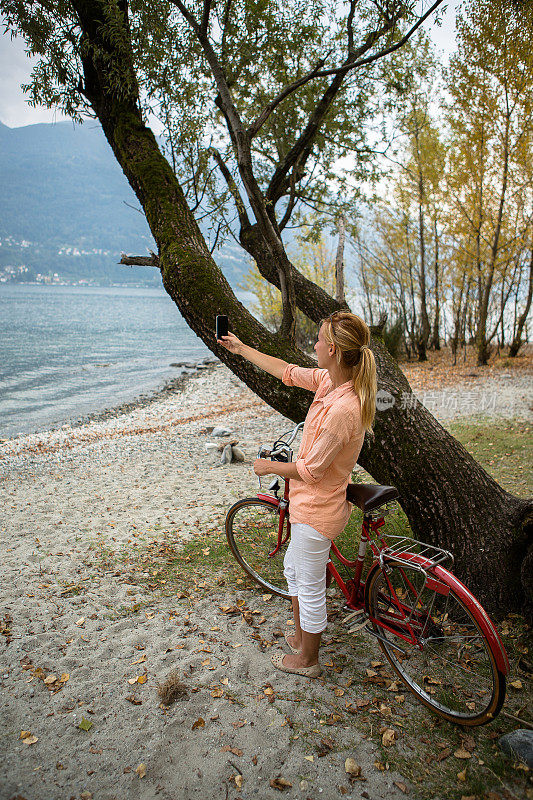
x=433, y=631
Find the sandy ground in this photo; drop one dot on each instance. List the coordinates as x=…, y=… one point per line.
x=74, y=647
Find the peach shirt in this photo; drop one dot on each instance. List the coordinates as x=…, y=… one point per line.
x=331, y=442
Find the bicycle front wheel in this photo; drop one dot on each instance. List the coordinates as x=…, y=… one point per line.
x=450, y=666
x=252, y=530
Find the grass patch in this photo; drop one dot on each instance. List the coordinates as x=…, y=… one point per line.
x=173, y=565
x=504, y=449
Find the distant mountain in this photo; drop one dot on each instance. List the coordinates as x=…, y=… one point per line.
x=67, y=208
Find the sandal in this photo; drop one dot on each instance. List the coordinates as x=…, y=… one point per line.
x=289, y=645
x=308, y=672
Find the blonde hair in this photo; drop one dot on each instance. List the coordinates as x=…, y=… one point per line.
x=350, y=336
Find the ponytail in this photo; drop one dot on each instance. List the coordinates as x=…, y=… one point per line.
x=365, y=386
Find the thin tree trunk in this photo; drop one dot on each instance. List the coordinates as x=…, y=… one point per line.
x=517, y=338
x=339, y=262
x=435, y=338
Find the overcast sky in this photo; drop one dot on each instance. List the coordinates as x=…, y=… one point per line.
x=15, y=68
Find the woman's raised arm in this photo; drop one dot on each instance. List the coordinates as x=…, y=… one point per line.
x=275, y=366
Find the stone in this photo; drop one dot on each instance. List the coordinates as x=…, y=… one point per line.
x=211, y=447
x=227, y=455
x=219, y=431
x=238, y=454
x=232, y=442
x=519, y=745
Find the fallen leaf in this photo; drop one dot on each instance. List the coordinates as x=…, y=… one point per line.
x=444, y=754
x=325, y=747
x=132, y=680
x=80, y=621
x=141, y=770
x=400, y=698
x=402, y=787
x=462, y=753
x=352, y=767
x=50, y=679
x=217, y=693
x=228, y=749
x=267, y=597
x=239, y=780
x=517, y=684
x=379, y=765
x=268, y=690
x=309, y=758
x=134, y=700
x=28, y=737
x=461, y=776
x=339, y=692
x=85, y=724
x=64, y=677
x=225, y=681
x=388, y=738
x=239, y=724
x=139, y=660
x=142, y=678
x=200, y=723
x=280, y=784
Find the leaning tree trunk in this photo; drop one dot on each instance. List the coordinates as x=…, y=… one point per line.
x=448, y=497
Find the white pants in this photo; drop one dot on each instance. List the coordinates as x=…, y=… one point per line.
x=305, y=570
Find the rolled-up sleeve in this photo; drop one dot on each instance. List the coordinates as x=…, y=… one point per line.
x=304, y=377
x=340, y=427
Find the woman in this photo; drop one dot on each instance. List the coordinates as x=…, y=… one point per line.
x=342, y=410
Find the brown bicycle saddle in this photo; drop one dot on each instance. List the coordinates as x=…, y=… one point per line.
x=368, y=496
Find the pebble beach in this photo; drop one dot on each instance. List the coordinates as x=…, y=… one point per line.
x=146, y=473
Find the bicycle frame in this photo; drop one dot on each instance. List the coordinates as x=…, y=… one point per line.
x=406, y=621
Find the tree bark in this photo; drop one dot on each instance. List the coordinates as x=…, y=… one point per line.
x=448, y=498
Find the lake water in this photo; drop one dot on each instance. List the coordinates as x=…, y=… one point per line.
x=66, y=351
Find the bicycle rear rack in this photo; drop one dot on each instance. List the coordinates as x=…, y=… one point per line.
x=400, y=546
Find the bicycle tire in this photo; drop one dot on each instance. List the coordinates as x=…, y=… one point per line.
x=454, y=673
x=252, y=533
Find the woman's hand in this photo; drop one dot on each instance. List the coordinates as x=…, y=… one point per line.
x=263, y=466
x=231, y=343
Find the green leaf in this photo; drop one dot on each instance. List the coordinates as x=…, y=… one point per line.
x=85, y=724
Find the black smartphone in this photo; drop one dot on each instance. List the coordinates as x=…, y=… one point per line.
x=222, y=326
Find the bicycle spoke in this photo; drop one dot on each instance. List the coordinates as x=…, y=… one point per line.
x=252, y=530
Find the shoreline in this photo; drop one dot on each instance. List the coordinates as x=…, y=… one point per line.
x=189, y=371
x=470, y=394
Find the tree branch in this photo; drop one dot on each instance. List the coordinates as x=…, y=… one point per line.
x=204, y=25
x=232, y=186
x=352, y=62
x=140, y=261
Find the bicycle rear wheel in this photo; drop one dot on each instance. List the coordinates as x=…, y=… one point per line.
x=252, y=532
x=451, y=668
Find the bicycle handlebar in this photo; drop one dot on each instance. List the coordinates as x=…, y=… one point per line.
x=281, y=446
